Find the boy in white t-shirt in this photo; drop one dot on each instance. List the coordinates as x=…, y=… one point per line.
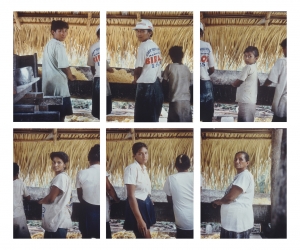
x=247, y=86
x=20, y=224
x=180, y=191
x=180, y=79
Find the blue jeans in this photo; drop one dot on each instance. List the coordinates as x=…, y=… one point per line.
x=61, y=233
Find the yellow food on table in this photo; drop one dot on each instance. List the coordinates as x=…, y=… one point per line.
x=120, y=76
x=78, y=74
x=70, y=235
x=130, y=235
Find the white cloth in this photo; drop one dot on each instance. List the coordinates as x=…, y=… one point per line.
x=149, y=58
x=94, y=58
x=89, y=181
x=20, y=191
x=238, y=215
x=57, y=214
x=207, y=60
x=278, y=75
x=107, y=204
x=54, y=80
x=180, y=80
x=181, y=187
x=247, y=91
x=136, y=175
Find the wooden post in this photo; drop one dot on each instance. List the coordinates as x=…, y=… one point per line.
x=278, y=184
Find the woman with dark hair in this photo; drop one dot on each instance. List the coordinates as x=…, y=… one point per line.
x=180, y=191
x=56, y=216
x=139, y=214
x=237, y=218
x=88, y=191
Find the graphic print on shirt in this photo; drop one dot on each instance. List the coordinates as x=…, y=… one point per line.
x=204, y=55
x=96, y=56
x=153, y=57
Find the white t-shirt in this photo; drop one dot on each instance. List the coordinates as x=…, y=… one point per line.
x=206, y=60
x=180, y=80
x=238, y=215
x=247, y=91
x=94, y=58
x=107, y=204
x=20, y=191
x=278, y=75
x=54, y=80
x=89, y=181
x=136, y=175
x=149, y=58
x=181, y=187
x=58, y=214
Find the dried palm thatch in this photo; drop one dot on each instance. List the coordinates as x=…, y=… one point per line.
x=170, y=29
x=217, y=153
x=230, y=33
x=162, y=155
x=32, y=153
x=32, y=32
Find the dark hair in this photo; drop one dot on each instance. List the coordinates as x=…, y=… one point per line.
x=94, y=154
x=244, y=153
x=61, y=155
x=252, y=49
x=98, y=33
x=283, y=43
x=151, y=32
x=183, y=162
x=137, y=146
x=176, y=53
x=16, y=169
x=59, y=24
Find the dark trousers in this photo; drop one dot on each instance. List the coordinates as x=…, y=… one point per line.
x=61, y=233
x=206, y=101
x=64, y=110
x=108, y=104
x=108, y=231
x=278, y=119
x=96, y=98
x=89, y=221
x=184, y=234
x=234, y=235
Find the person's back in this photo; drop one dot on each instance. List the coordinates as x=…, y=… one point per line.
x=19, y=192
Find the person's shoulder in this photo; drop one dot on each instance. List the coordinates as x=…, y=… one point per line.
x=133, y=165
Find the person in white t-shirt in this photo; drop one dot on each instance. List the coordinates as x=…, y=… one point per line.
x=247, y=86
x=56, y=214
x=94, y=63
x=20, y=223
x=207, y=67
x=179, y=78
x=56, y=70
x=139, y=213
x=180, y=191
x=278, y=75
x=88, y=192
x=147, y=74
x=237, y=219
x=110, y=192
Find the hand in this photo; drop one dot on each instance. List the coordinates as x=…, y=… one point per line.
x=117, y=200
x=39, y=201
x=134, y=82
x=216, y=203
x=142, y=227
x=73, y=78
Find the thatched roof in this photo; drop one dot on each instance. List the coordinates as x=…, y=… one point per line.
x=32, y=32
x=170, y=29
x=229, y=33
x=218, y=147
x=32, y=148
x=164, y=145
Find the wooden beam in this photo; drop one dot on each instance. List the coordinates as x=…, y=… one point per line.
x=49, y=24
x=53, y=15
x=54, y=135
x=89, y=19
x=139, y=16
x=17, y=20
x=156, y=26
x=268, y=16
x=240, y=16
x=240, y=25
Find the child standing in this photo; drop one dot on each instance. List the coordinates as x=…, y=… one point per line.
x=20, y=224
x=247, y=85
x=180, y=80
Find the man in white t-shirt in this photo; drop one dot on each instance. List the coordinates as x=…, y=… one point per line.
x=207, y=67
x=20, y=224
x=278, y=76
x=88, y=191
x=94, y=63
x=180, y=191
x=237, y=219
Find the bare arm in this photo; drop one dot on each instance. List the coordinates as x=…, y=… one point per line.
x=169, y=199
x=54, y=192
x=27, y=197
x=137, y=74
x=68, y=73
x=237, y=83
x=211, y=70
x=110, y=70
x=267, y=83
x=111, y=191
x=93, y=70
x=234, y=192
x=80, y=194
